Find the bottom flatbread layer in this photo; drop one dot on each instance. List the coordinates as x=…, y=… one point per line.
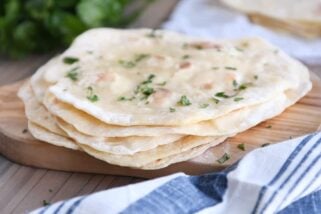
x=45, y=135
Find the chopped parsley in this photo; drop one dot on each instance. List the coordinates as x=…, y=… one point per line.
x=243, y=86
x=122, y=98
x=222, y=95
x=235, y=83
x=24, y=131
x=216, y=101
x=50, y=190
x=127, y=64
x=73, y=74
x=70, y=60
x=172, y=109
x=256, y=77
x=184, y=101
x=224, y=158
x=45, y=203
x=131, y=64
x=265, y=144
x=236, y=99
x=144, y=88
x=91, y=96
x=241, y=146
x=269, y=126
x=186, y=56
x=162, y=83
x=230, y=68
x=204, y=105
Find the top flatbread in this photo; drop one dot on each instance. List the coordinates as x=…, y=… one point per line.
x=308, y=11
x=165, y=78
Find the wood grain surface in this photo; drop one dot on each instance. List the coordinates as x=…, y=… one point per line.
x=24, y=188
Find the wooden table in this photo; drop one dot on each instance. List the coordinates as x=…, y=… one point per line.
x=25, y=188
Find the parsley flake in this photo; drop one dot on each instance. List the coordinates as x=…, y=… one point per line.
x=127, y=64
x=73, y=74
x=269, y=126
x=221, y=94
x=236, y=99
x=204, y=105
x=184, y=101
x=70, y=60
x=216, y=101
x=186, y=56
x=91, y=96
x=265, y=144
x=224, y=158
x=235, y=83
x=230, y=68
x=24, y=131
x=45, y=203
x=172, y=109
x=256, y=77
x=241, y=146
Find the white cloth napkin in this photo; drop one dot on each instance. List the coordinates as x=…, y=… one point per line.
x=283, y=178
x=211, y=19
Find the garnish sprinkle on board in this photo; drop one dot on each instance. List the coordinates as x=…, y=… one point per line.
x=241, y=146
x=224, y=158
x=172, y=109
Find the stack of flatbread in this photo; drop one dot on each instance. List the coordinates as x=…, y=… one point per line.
x=146, y=99
x=302, y=18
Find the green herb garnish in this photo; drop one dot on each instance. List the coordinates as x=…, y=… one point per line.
x=131, y=64
x=91, y=96
x=204, y=105
x=70, y=60
x=269, y=126
x=50, y=190
x=235, y=83
x=222, y=95
x=186, y=56
x=73, y=74
x=172, y=109
x=265, y=144
x=127, y=64
x=45, y=203
x=236, y=99
x=184, y=101
x=241, y=146
x=256, y=77
x=24, y=131
x=224, y=158
x=230, y=68
x=216, y=101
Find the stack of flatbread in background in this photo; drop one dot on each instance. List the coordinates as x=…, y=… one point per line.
x=302, y=18
x=146, y=99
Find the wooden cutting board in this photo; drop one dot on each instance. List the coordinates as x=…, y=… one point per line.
x=18, y=145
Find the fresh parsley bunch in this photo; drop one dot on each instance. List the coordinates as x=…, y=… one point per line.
x=35, y=26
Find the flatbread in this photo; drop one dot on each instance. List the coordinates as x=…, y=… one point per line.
x=234, y=122
x=36, y=112
x=46, y=136
x=141, y=159
x=198, y=78
x=307, y=10
x=302, y=18
x=118, y=145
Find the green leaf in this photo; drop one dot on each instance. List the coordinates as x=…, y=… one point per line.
x=184, y=101
x=224, y=158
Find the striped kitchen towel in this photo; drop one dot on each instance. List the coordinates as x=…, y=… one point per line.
x=281, y=178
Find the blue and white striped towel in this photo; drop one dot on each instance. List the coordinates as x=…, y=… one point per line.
x=281, y=178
